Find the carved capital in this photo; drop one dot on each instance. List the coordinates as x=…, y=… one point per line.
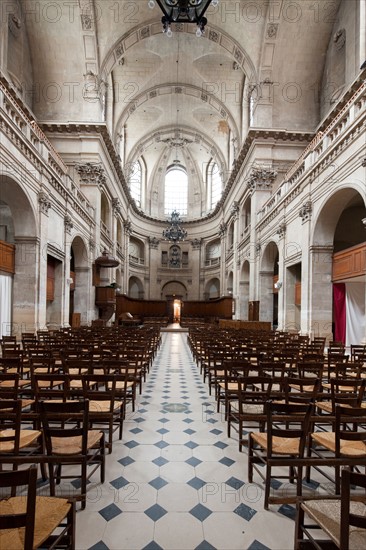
x=127, y=226
x=196, y=243
x=68, y=223
x=44, y=202
x=261, y=178
x=91, y=244
x=305, y=211
x=153, y=242
x=281, y=231
x=117, y=207
x=235, y=210
x=91, y=174
x=222, y=229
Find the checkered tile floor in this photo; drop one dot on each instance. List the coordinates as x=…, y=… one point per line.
x=175, y=481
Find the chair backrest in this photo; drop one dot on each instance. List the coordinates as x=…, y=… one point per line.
x=348, y=420
x=9, y=386
x=254, y=390
x=347, y=391
x=350, y=518
x=288, y=421
x=64, y=420
x=50, y=386
x=26, y=519
x=10, y=422
x=301, y=390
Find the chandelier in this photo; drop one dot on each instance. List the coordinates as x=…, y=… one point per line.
x=183, y=11
x=174, y=233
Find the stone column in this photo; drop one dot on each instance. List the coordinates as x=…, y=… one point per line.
x=154, y=263
x=223, y=276
x=44, y=204
x=236, y=260
x=195, y=262
x=321, y=300
x=25, y=285
x=126, y=244
x=281, y=232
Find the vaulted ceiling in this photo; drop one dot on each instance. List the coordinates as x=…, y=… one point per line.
x=97, y=60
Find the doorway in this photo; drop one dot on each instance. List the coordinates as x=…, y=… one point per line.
x=177, y=308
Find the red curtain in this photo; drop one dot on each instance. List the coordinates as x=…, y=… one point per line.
x=339, y=308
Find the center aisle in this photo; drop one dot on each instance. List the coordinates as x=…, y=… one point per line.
x=175, y=481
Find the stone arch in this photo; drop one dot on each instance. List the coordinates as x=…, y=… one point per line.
x=184, y=89
x=21, y=287
x=267, y=271
x=244, y=290
x=80, y=275
x=135, y=288
x=151, y=28
x=323, y=245
x=174, y=288
x=212, y=289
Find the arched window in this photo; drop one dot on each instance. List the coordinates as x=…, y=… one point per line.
x=215, y=184
x=135, y=182
x=176, y=190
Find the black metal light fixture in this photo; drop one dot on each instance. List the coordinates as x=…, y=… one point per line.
x=174, y=232
x=183, y=11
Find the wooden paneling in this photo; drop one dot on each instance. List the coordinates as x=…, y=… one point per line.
x=246, y=325
x=220, y=308
x=76, y=320
x=349, y=263
x=253, y=310
x=7, y=257
x=298, y=294
x=50, y=292
x=104, y=296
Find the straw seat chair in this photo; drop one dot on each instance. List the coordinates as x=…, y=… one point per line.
x=106, y=409
x=347, y=440
x=30, y=522
x=342, y=519
x=67, y=434
x=253, y=392
x=286, y=436
x=15, y=441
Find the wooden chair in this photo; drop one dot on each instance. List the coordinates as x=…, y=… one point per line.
x=105, y=408
x=14, y=441
x=347, y=440
x=31, y=522
x=253, y=392
x=342, y=519
x=286, y=436
x=227, y=389
x=66, y=433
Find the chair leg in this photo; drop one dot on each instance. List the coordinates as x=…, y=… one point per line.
x=51, y=476
x=250, y=458
x=83, y=485
x=267, y=486
x=102, y=460
x=299, y=535
x=299, y=481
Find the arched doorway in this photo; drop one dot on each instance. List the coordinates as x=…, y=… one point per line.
x=22, y=307
x=79, y=283
x=338, y=230
x=174, y=293
x=268, y=306
x=244, y=291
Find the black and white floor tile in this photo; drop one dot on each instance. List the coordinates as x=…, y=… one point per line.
x=175, y=481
